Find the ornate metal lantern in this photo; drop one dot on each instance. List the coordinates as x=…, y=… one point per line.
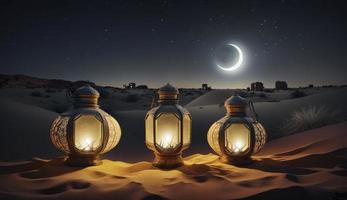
x=168, y=129
x=86, y=131
x=236, y=136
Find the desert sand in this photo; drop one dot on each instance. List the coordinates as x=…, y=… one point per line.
x=307, y=165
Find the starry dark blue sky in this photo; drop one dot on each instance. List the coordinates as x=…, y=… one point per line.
x=154, y=42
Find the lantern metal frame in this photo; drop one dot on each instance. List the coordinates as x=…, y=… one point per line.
x=236, y=114
x=85, y=105
x=168, y=105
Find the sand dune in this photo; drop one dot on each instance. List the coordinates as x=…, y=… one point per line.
x=217, y=97
x=25, y=131
x=309, y=165
x=211, y=98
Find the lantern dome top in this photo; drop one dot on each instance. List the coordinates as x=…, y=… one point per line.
x=86, y=96
x=236, y=105
x=168, y=88
x=86, y=91
x=236, y=100
x=168, y=94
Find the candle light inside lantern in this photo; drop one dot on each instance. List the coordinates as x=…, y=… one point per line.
x=238, y=146
x=166, y=141
x=237, y=139
x=88, y=133
x=87, y=144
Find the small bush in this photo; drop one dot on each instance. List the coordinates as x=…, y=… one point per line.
x=297, y=94
x=310, y=117
x=36, y=94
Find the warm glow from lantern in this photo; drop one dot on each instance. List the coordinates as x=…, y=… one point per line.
x=166, y=141
x=168, y=132
x=88, y=130
x=237, y=138
x=86, y=144
x=237, y=146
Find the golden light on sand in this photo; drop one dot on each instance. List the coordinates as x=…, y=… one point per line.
x=203, y=176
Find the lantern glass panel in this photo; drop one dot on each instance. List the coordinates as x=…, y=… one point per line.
x=149, y=129
x=186, y=129
x=87, y=133
x=168, y=135
x=237, y=138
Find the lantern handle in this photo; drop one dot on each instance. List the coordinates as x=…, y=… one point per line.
x=251, y=106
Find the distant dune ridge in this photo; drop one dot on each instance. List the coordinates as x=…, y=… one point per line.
x=309, y=165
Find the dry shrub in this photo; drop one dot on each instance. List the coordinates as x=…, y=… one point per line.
x=310, y=117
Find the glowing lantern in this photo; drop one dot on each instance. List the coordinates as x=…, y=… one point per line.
x=86, y=131
x=235, y=137
x=168, y=129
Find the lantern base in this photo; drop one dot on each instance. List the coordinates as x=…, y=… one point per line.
x=82, y=161
x=236, y=161
x=167, y=161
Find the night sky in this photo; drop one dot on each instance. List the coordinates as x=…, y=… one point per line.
x=155, y=42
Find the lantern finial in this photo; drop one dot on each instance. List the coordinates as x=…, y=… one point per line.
x=168, y=93
x=86, y=96
x=236, y=105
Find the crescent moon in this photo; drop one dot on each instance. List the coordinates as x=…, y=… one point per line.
x=237, y=64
